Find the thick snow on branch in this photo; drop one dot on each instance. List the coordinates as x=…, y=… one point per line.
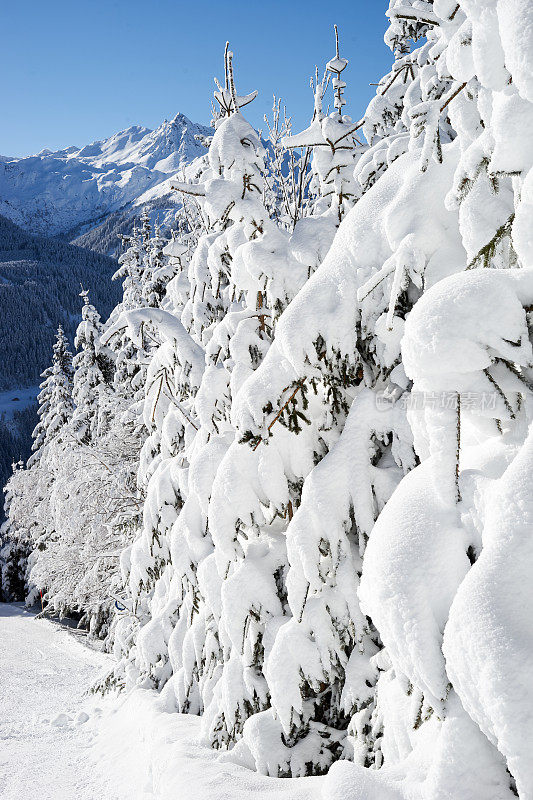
x=169, y=328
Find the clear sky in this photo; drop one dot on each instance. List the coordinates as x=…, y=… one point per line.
x=72, y=72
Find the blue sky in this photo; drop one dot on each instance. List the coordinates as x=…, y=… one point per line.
x=72, y=72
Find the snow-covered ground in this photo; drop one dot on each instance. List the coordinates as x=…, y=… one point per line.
x=58, y=743
x=161, y=757
x=44, y=672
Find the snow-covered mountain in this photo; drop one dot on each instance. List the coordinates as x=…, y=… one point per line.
x=69, y=192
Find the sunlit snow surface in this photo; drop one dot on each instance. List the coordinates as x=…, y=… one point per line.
x=44, y=672
x=58, y=743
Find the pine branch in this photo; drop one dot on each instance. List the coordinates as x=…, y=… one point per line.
x=488, y=250
x=282, y=409
x=452, y=97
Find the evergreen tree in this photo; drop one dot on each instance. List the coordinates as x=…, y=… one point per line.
x=334, y=143
x=92, y=375
x=161, y=269
x=15, y=543
x=27, y=489
x=55, y=398
x=171, y=377
x=321, y=668
x=131, y=270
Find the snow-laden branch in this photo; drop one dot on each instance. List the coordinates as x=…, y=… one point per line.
x=194, y=189
x=168, y=327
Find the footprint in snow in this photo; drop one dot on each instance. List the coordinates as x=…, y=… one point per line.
x=61, y=720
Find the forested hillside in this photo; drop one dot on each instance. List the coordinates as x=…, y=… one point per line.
x=40, y=283
x=15, y=439
x=287, y=479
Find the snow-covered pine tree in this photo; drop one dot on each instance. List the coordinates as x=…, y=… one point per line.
x=142, y=259
x=130, y=360
x=72, y=482
x=174, y=364
x=16, y=542
x=147, y=267
x=249, y=498
x=55, y=398
x=332, y=138
x=160, y=270
x=413, y=78
x=257, y=274
x=172, y=379
x=163, y=384
x=248, y=549
x=93, y=373
x=230, y=198
x=131, y=270
x=324, y=379
x=146, y=232
x=26, y=529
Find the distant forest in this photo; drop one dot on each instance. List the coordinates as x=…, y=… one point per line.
x=40, y=282
x=15, y=443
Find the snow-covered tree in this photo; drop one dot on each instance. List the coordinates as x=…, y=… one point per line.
x=131, y=270
x=15, y=540
x=92, y=374
x=172, y=371
x=161, y=269
x=248, y=498
x=27, y=491
x=55, y=398
x=322, y=379
x=332, y=138
x=78, y=482
x=234, y=169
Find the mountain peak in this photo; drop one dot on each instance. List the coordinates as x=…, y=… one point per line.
x=55, y=192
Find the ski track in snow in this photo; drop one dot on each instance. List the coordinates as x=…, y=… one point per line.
x=127, y=749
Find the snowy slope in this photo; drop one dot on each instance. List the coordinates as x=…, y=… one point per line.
x=43, y=673
x=60, y=193
x=61, y=744
x=164, y=758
